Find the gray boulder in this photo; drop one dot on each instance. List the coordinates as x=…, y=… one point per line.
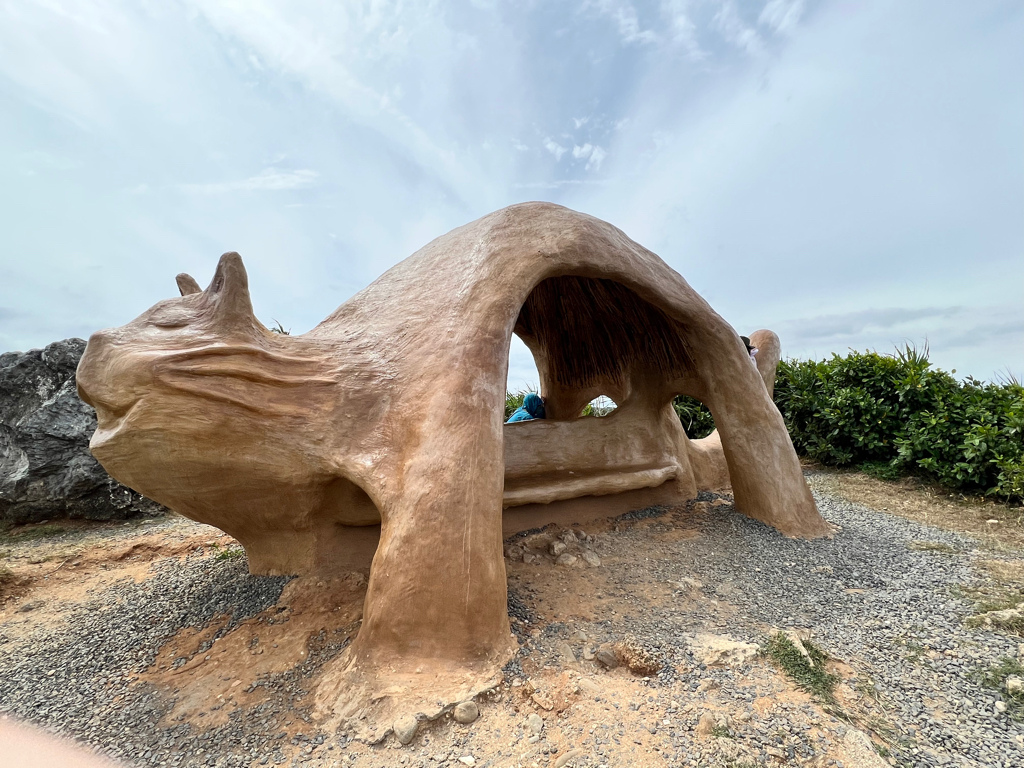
x=46, y=470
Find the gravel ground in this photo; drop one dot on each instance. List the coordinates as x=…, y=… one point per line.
x=889, y=611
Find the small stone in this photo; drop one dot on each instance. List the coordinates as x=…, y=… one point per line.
x=467, y=760
x=570, y=755
x=405, y=728
x=1000, y=707
x=861, y=751
x=607, y=658
x=466, y=712
x=705, y=725
x=566, y=558
x=556, y=548
x=590, y=558
x=566, y=652
x=1014, y=684
x=588, y=652
x=30, y=606
x=535, y=723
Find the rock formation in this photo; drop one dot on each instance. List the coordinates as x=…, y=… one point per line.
x=46, y=470
x=390, y=413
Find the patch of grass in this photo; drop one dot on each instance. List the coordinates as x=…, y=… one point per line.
x=882, y=470
x=1014, y=623
x=230, y=554
x=811, y=678
x=933, y=546
x=721, y=732
x=34, y=533
x=995, y=677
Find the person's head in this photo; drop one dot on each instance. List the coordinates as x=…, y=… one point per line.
x=534, y=405
x=746, y=343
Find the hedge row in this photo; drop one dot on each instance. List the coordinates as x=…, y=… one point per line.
x=895, y=415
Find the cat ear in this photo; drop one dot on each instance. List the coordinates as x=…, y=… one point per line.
x=187, y=284
x=229, y=291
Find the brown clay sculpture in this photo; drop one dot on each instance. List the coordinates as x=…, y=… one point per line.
x=379, y=434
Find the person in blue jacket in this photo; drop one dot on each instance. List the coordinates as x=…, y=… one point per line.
x=532, y=408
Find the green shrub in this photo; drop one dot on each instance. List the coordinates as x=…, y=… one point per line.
x=695, y=417
x=894, y=414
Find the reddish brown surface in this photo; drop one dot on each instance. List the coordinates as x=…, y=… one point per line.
x=391, y=410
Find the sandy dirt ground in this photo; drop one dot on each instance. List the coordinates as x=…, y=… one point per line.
x=711, y=701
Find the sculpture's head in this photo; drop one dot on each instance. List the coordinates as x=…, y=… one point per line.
x=194, y=392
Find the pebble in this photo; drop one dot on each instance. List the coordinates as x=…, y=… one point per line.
x=405, y=728
x=466, y=712
x=591, y=558
x=534, y=723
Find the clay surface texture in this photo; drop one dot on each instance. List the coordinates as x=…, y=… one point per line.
x=376, y=440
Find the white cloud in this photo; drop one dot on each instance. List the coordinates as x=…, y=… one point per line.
x=594, y=155
x=732, y=27
x=597, y=157
x=584, y=151
x=268, y=180
x=554, y=148
x=782, y=16
x=682, y=29
x=626, y=19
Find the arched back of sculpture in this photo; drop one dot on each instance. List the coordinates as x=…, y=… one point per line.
x=393, y=407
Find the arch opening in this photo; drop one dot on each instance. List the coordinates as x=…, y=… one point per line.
x=600, y=349
x=600, y=406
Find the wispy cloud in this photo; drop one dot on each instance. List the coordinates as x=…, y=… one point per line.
x=594, y=155
x=854, y=323
x=627, y=21
x=732, y=27
x=268, y=180
x=782, y=16
x=562, y=183
x=682, y=29
x=554, y=148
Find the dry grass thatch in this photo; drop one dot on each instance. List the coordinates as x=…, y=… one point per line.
x=590, y=329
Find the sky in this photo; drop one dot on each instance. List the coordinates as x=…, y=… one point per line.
x=849, y=173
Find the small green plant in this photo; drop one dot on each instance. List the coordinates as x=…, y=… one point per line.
x=230, y=553
x=996, y=677
x=721, y=731
x=278, y=328
x=809, y=674
x=6, y=575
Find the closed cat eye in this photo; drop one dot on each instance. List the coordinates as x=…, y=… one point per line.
x=170, y=319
